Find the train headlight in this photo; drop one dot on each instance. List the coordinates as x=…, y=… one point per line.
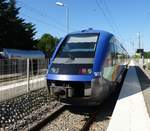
x=85, y=71
x=97, y=74
x=54, y=70
x=89, y=71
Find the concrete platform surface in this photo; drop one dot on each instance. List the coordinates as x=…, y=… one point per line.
x=144, y=78
x=16, y=89
x=130, y=113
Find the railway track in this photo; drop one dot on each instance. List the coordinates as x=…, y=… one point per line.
x=79, y=118
x=85, y=122
x=48, y=119
x=90, y=121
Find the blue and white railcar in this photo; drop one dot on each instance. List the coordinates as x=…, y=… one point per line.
x=85, y=67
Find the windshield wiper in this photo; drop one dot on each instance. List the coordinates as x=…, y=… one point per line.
x=70, y=56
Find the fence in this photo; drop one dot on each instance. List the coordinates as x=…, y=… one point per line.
x=19, y=76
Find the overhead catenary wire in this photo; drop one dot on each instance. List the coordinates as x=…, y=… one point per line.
x=104, y=2
x=108, y=16
x=103, y=12
x=54, y=22
x=44, y=23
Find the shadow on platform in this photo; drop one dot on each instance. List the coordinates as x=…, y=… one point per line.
x=131, y=85
x=143, y=79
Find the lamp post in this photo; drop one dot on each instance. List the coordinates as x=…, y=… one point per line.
x=67, y=14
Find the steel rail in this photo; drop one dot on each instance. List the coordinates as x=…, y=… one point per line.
x=90, y=120
x=48, y=119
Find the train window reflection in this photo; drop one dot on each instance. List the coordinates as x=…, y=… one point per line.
x=78, y=46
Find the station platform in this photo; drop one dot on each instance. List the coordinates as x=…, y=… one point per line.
x=130, y=112
x=17, y=88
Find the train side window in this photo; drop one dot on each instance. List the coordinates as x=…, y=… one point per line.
x=113, y=54
x=113, y=42
x=118, y=54
x=108, y=60
x=108, y=66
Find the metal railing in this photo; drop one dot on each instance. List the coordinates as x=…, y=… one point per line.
x=145, y=62
x=19, y=76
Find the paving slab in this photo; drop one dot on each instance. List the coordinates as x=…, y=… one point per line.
x=130, y=113
x=19, y=88
x=144, y=79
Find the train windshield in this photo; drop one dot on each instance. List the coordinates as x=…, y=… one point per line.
x=78, y=46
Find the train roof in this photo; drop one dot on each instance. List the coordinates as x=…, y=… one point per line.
x=102, y=32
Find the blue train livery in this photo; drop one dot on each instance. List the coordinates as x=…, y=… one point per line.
x=86, y=67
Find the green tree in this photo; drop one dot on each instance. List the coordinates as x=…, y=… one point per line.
x=47, y=44
x=147, y=54
x=14, y=31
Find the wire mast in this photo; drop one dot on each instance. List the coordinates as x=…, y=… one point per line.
x=139, y=40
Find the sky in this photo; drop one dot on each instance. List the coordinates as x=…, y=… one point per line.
x=123, y=18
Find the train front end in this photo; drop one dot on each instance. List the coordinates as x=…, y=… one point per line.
x=70, y=71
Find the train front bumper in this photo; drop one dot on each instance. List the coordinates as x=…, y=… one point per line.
x=81, y=101
x=82, y=93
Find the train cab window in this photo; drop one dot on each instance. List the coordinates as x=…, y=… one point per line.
x=75, y=55
x=78, y=46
